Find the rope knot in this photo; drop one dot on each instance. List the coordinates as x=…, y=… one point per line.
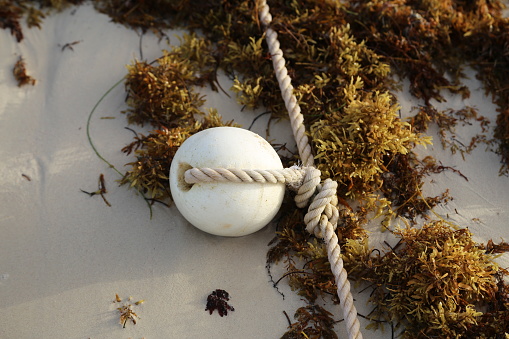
x=307, y=186
x=324, y=206
x=323, y=211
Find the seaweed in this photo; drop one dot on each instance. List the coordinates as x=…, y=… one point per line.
x=447, y=120
x=313, y=321
x=403, y=181
x=218, y=300
x=126, y=311
x=435, y=282
x=431, y=42
x=101, y=190
x=12, y=11
x=9, y=19
x=162, y=93
x=20, y=73
x=351, y=147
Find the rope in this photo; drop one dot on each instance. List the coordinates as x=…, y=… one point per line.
x=285, y=84
x=322, y=216
x=291, y=176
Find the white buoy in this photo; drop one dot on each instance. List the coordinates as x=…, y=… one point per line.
x=226, y=208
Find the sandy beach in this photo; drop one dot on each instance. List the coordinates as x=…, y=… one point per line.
x=64, y=255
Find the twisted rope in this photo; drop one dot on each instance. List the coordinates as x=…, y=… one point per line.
x=285, y=84
x=291, y=176
x=322, y=216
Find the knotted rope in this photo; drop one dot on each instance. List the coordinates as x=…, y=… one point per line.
x=322, y=216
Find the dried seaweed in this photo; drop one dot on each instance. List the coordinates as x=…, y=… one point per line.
x=431, y=42
x=351, y=147
x=434, y=282
x=313, y=321
x=294, y=246
x=20, y=73
x=403, y=181
x=447, y=121
x=144, y=15
x=218, y=300
x=9, y=19
x=12, y=11
x=101, y=190
x=162, y=94
x=126, y=311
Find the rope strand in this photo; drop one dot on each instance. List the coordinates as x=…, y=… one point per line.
x=323, y=210
x=290, y=176
x=322, y=216
x=285, y=84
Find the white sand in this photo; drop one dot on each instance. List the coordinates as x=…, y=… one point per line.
x=64, y=255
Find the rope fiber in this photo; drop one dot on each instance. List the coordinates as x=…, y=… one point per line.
x=323, y=214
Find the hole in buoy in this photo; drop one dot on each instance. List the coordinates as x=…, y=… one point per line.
x=181, y=182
